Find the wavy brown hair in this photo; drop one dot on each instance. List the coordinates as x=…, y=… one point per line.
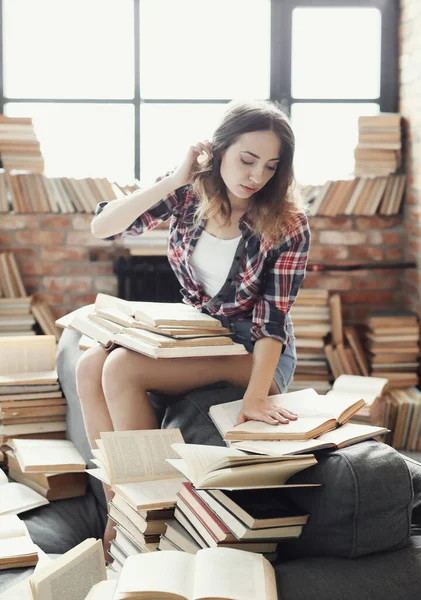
x=272, y=207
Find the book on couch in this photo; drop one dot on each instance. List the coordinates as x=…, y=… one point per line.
x=222, y=573
x=316, y=415
x=228, y=468
x=133, y=464
x=16, y=546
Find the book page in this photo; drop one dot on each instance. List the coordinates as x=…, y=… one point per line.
x=29, y=378
x=27, y=353
x=229, y=573
x=104, y=590
x=17, y=546
x=350, y=431
x=72, y=575
x=253, y=429
x=16, y=498
x=170, y=572
x=12, y=527
x=280, y=447
x=83, y=311
x=200, y=458
x=149, y=493
x=139, y=455
x=93, y=330
x=55, y=453
x=357, y=386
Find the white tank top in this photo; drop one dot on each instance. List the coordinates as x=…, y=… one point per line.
x=211, y=261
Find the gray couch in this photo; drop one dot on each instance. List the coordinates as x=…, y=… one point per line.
x=363, y=539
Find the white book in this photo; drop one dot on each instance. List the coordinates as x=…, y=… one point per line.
x=16, y=498
x=48, y=456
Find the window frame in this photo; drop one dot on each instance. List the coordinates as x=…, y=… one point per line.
x=280, y=65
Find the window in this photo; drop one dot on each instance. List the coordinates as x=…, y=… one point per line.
x=119, y=88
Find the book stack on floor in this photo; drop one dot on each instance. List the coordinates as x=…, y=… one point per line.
x=31, y=402
x=156, y=329
x=379, y=144
x=323, y=422
x=393, y=347
x=19, y=145
x=145, y=487
x=403, y=418
x=223, y=485
x=344, y=353
x=53, y=468
x=15, y=311
x=214, y=573
x=45, y=317
x=361, y=196
x=312, y=324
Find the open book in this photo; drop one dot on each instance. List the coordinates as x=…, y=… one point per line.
x=346, y=435
x=316, y=415
x=16, y=498
x=228, y=468
x=28, y=360
x=16, y=547
x=47, y=456
x=351, y=386
x=133, y=463
x=72, y=575
x=155, y=344
x=221, y=573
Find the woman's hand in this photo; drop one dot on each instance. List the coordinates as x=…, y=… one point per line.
x=182, y=175
x=261, y=409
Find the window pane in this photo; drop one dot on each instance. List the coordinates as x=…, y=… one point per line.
x=336, y=52
x=75, y=49
x=168, y=129
x=326, y=135
x=196, y=49
x=83, y=140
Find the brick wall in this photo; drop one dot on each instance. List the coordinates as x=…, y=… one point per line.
x=410, y=107
x=61, y=261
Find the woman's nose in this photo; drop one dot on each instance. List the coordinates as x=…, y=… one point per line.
x=256, y=175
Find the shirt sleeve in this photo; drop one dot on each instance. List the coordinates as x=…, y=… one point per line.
x=151, y=218
x=284, y=276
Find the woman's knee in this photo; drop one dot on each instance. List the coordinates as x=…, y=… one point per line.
x=89, y=368
x=122, y=367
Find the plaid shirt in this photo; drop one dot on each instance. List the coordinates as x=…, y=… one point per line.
x=263, y=281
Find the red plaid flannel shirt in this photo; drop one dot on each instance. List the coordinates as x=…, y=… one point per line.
x=263, y=281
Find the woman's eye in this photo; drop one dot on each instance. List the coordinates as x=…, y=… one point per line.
x=245, y=162
x=272, y=168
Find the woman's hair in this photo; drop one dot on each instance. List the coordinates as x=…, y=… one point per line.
x=273, y=206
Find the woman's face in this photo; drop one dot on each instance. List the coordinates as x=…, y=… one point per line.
x=249, y=163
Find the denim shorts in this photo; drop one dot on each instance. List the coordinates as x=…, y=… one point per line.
x=287, y=361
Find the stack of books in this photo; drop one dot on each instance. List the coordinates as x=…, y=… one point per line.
x=361, y=196
x=31, y=402
x=403, y=418
x=392, y=343
x=53, y=468
x=379, y=144
x=23, y=191
x=312, y=324
x=156, y=329
x=222, y=484
x=213, y=573
x=15, y=311
x=45, y=317
x=19, y=145
x=344, y=352
x=145, y=487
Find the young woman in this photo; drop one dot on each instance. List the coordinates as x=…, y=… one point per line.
x=238, y=244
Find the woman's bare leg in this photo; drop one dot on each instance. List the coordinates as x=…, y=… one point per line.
x=95, y=412
x=128, y=376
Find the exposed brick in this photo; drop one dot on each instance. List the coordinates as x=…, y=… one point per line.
x=64, y=254
x=106, y=285
x=67, y=284
x=395, y=254
x=41, y=268
x=348, y=238
x=16, y=222
x=377, y=222
x=82, y=222
x=326, y=253
x=374, y=298
x=340, y=223
x=6, y=241
x=93, y=269
x=365, y=253
x=56, y=222
x=78, y=300
x=84, y=238
x=40, y=238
